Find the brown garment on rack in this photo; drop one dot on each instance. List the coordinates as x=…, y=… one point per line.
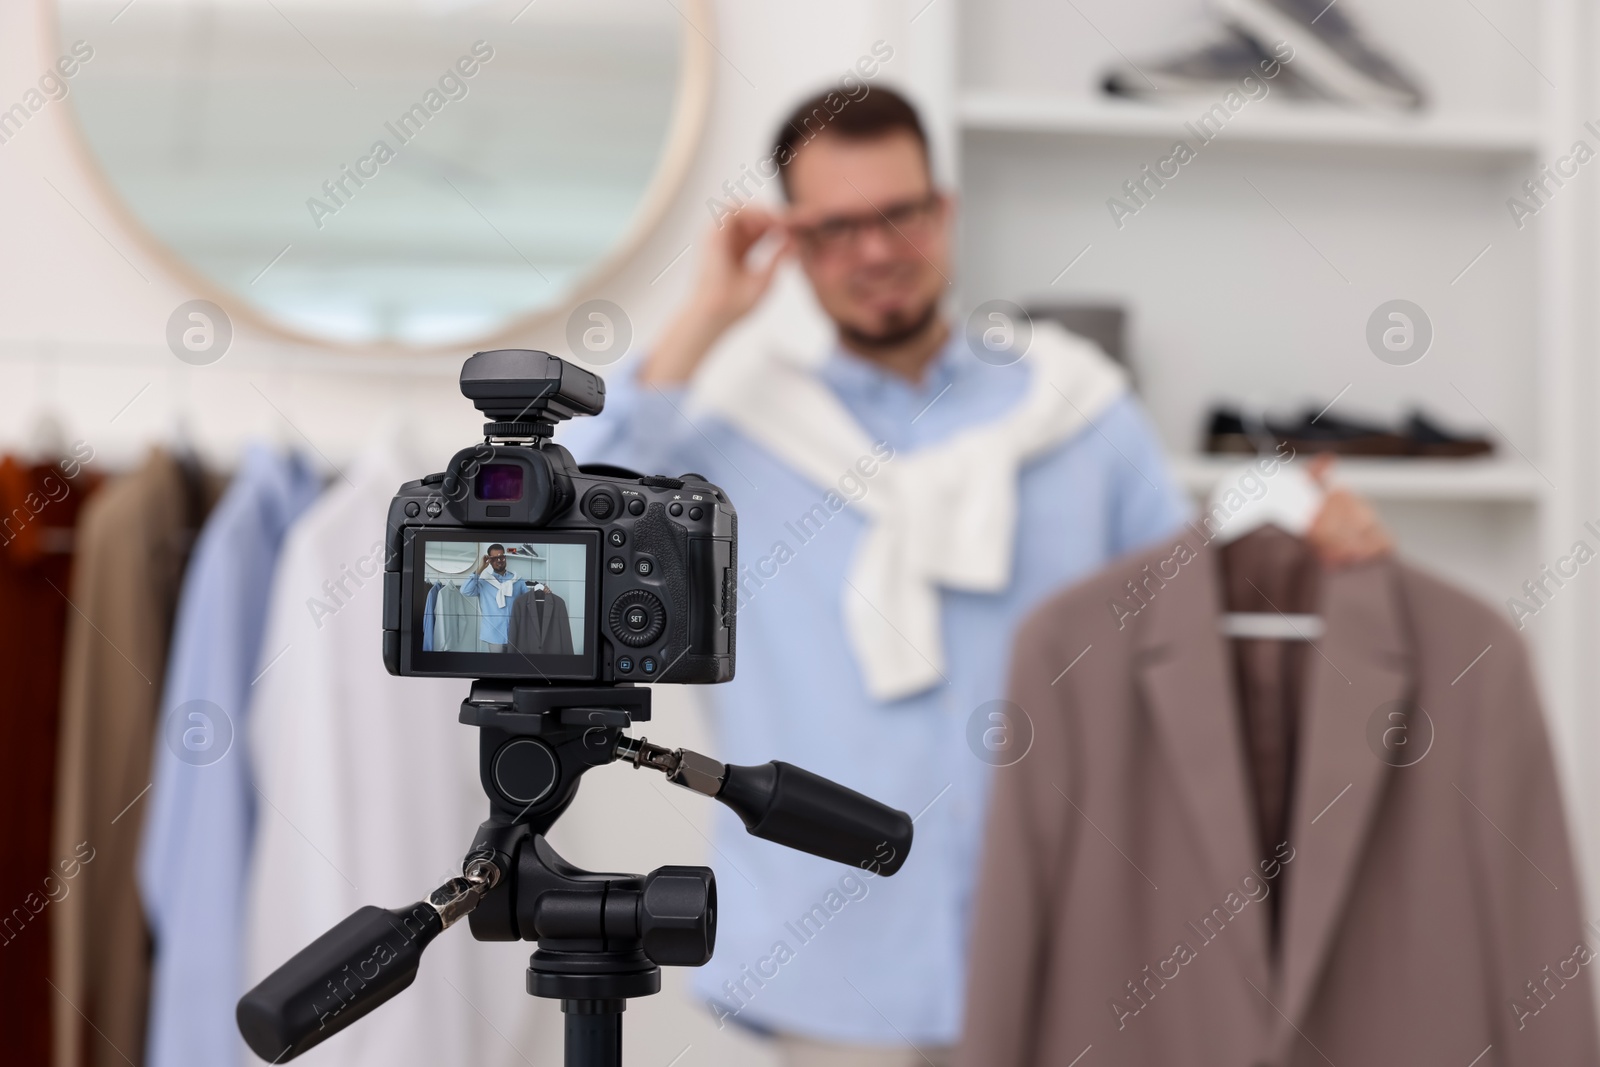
x=1270, y=571
x=38, y=508
x=133, y=541
x=1434, y=910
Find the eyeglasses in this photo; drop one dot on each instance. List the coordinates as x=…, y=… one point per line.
x=838, y=233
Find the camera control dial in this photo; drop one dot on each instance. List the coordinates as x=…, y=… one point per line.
x=637, y=618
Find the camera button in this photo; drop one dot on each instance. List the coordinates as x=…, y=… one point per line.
x=636, y=506
x=617, y=538
x=644, y=567
x=695, y=513
x=637, y=618
x=617, y=564
x=413, y=509
x=648, y=665
x=434, y=508
x=674, y=509
x=625, y=664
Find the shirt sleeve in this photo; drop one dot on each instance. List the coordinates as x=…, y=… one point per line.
x=1147, y=503
x=471, y=586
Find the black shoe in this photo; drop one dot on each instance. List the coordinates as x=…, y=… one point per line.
x=1322, y=432
x=1428, y=438
x=1229, y=433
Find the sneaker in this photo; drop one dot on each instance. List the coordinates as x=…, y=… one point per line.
x=1329, y=50
x=1214, y=67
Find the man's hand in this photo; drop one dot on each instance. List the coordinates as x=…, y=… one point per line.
x=729, y=285
x=483, y=564
x=1347, y=529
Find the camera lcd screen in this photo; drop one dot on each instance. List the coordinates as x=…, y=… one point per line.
x=505, y=604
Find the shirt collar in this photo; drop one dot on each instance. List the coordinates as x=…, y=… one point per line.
x=853, y=375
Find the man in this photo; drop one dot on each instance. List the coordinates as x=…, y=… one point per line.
x=840, y=966
x=495, y=595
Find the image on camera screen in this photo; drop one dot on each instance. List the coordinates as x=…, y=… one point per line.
x=497, y=597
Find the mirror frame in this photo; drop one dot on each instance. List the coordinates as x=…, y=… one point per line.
x=685, y=131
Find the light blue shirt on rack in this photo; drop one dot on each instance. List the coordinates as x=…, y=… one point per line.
x=201, y=811
x=865, y=959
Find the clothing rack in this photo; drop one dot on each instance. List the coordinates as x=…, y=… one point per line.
x=244, y=354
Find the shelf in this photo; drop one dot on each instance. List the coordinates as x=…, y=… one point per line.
x=1266, y=122
x=1491, y=480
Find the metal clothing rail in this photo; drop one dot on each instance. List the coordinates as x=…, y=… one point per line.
x=243, y=355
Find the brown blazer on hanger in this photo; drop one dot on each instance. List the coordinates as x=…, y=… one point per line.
x=1430, y=910
x=133, y=540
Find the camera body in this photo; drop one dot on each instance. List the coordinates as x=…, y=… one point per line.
x=518, y=563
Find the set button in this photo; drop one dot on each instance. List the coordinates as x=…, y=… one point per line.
x=637, y=618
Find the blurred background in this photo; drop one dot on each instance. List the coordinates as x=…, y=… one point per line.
x=200, y=152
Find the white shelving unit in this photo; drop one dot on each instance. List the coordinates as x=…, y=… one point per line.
x=1248, y=278
x=1488, y=135
x=1463, y=481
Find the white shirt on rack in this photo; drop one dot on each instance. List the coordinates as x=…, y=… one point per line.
x=369, y=794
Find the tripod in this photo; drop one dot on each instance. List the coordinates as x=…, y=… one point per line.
x=602, y=938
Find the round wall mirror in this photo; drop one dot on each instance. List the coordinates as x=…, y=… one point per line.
x=380, y=172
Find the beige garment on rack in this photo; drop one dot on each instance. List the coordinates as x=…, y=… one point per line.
x=133, y=541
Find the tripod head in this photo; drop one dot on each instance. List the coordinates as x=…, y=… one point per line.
x=602, y=937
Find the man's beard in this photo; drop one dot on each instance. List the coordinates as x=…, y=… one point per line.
x=897, y=330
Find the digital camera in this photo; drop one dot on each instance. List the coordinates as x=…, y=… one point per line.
x=519, y=563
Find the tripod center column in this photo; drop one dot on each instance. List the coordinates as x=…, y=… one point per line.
x=594, y=1032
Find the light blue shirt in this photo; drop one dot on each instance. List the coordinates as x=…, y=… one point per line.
x=197, y=836
x=864, y=959
x=494, y=620
x=427, y=617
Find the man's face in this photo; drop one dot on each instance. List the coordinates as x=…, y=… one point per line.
x=872, y=234
x=497, y=560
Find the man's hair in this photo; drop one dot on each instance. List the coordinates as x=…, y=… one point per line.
x=878, y=113
x=491, y=548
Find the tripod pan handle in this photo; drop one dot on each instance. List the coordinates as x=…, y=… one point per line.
x=790, y=806
x=335, y=980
